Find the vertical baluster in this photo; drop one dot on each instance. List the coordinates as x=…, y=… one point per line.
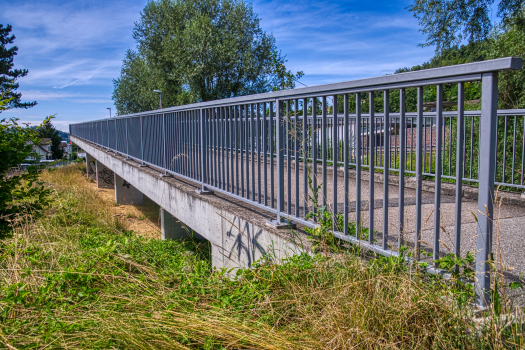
x=437, y=192
x=459, y=167
x=371, y=168
x=296, y=156
x=247, y=113
x=141, y=140
x=236, y=145
x=472, y=143
x=230, y=150
x=419, y=170
x=224, y=152
x=216, y=153
x=450, y=149
x=127, y=143
x=265, y=151
x=280, y=159
x=334, y=162
x=252, y=149
x=241, y=146
x=324, y=151
x=346, y=154
x=411, y=142
x=258, y=151
x=202, y=149
x=271, y=125
x=314, y=155
x=287, y=143
x=504, y=165
x=357, y=132
x=513, y=150
x=386, y=164
x=425, y=144
x=305, y=155
x=523, y=153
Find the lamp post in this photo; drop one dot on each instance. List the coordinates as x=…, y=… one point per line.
x=109, y=111
x=160, y=94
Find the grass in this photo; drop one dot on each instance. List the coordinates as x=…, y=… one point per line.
x=77, y=279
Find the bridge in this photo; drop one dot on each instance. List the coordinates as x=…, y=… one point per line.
x=250, y=173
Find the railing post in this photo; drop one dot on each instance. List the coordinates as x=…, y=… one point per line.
x=116, y=136
x=204, y=174
x=487, y=170
x=280, y=144
x=165, y=155
x=141, y=143
x=127, y=143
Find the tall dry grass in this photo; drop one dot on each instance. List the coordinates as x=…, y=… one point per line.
x=77, y=279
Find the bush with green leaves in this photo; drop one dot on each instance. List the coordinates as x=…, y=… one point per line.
x=21, y=193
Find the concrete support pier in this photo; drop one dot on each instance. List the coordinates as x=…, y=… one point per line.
x=126, y=193
x=105, y=176
x=172, y=228
x=91, y=167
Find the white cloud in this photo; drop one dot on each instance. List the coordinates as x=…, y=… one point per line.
x=90, y=100
x=46, y=95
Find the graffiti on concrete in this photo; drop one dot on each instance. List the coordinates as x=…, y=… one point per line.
x=126, y=184
x=91, y=168
x=106, y=176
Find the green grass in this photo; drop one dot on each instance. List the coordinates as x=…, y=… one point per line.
x=76, y=279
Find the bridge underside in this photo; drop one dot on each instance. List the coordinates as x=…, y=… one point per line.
x=237, y=232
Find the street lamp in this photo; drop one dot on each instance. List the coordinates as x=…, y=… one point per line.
x=109, y=111
x=160, y=94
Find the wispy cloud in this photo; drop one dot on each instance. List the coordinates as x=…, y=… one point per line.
x=74, y=49
x=91, y=100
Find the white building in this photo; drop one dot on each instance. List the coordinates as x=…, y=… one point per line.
x=43, y=149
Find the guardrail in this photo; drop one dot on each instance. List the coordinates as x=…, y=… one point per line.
x=261, y=149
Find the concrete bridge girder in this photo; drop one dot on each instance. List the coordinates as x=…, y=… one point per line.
x=238, y=236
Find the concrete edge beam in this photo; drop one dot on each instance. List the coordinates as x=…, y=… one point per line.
x=237, y=233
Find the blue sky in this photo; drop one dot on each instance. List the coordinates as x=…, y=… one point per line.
x=74, y=49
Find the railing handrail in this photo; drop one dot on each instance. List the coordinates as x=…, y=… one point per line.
x=470, y=72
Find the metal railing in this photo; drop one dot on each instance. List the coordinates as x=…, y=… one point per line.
x=276, y=151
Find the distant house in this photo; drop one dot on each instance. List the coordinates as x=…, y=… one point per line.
x=43, y=149
x=66, y=147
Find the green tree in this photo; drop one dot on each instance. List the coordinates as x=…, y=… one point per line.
x=47, y=130
x=510, y=42
x=20, y=193
x=447, y=23
x=198, y=51
x=8, y=75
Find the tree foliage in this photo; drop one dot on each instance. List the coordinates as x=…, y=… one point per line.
x=20, y=193
x=47, y=130
x=448, y=23
x=511, y=84
x=198, y=51
x=8, y=75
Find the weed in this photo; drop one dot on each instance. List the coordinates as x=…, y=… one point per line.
x=77, y=278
